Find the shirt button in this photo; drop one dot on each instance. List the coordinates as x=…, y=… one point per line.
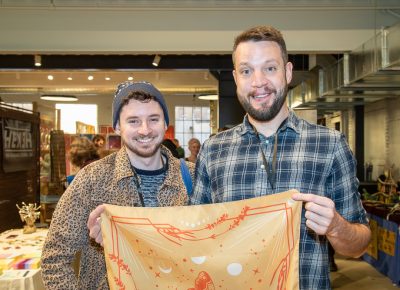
x=262, y=166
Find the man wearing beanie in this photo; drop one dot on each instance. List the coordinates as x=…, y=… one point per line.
x=141, y=173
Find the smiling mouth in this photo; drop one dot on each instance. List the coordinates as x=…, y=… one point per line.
x=261, y=96
x=144, y=140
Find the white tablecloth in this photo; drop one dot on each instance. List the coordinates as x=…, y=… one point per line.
x=19, y=259
x=21, y=280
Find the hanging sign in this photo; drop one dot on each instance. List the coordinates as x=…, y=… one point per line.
x=18, y=147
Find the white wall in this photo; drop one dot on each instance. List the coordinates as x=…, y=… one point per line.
x=382, y=136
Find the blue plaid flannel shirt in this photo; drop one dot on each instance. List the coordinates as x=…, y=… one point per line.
x=310, y=158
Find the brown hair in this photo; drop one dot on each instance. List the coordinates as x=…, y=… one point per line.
x=82, y=152
x=137, y=96
x=261, y=33
x=98, y=137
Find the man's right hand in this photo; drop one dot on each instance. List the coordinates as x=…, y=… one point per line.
x=93, y=224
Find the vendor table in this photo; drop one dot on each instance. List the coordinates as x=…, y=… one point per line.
x=20, y=259
x=384, y=249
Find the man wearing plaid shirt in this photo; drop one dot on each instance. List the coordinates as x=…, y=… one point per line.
x=273, y=151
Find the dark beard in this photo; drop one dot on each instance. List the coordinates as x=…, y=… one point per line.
x=267, y=113
x=144, y=154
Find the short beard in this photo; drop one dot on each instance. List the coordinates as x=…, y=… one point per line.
x=144, y=154
x=266, y=113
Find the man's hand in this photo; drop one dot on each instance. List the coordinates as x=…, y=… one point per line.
x=321, y=215
x=93, y=224
x=349, y=239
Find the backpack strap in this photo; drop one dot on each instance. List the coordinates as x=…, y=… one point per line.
x=187, y=178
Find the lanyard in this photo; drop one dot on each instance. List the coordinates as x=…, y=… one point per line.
x=270, y=170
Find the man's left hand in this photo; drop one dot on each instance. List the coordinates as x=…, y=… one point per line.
x=321, y=215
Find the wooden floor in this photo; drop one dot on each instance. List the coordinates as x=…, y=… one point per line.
x=356, y=274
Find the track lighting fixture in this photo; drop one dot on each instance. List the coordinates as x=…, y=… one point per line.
x=38, y=60
x=156, y=60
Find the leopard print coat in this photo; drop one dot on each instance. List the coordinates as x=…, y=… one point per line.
x=109, y=180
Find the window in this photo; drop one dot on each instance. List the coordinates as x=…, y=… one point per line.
x=191, y=122
x=71, y=113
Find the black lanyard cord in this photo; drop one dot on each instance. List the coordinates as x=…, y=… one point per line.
x=270, y=170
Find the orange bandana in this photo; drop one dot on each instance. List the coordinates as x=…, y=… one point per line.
x=247, y=244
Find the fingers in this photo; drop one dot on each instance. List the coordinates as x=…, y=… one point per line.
x=319, y=224
x=320, y=211
x=95, y=232
x=93, y=224
x=94, y=215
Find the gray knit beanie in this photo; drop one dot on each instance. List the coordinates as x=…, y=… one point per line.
x=125, y=88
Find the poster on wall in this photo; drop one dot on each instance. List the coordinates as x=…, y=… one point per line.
x=18, y=147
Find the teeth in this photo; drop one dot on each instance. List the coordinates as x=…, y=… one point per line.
x=144, y=140
x=260, y=96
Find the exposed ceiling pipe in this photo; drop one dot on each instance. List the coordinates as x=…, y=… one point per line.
x=392, y=13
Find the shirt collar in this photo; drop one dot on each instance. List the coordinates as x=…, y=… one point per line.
x=291, y=123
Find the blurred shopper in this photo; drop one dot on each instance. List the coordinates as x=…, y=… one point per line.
x=82, y=152
x=99, y=141
x=194, y=148
x=142, y=173
x=171, y=147
x=181, y=151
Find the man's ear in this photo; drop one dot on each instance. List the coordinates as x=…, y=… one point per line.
x=289, y=72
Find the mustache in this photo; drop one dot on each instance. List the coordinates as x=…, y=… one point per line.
x=267, y=90
x=145, y=136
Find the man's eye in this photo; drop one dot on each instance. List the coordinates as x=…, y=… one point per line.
x=245, y=71
x=133, y=121
x=271, y=69
x=154, y=120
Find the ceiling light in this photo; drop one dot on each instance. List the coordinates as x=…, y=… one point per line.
x=59, y=98
x=50, y=77
x=38, y=60
x=90, y=77
x=69, y=78
x=130, y=78
x=156, y=60
x=208, y=97
x=107, y=78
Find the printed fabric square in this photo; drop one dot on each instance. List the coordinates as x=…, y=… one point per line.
x=249, y=244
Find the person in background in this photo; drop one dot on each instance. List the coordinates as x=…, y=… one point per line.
x=179, y=149
x=82, y=152
x=194, y=148
x=142, y=173
x=171, y=146
x=99, y=141
x=273, y=151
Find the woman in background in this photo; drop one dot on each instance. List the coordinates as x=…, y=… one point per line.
x=194, y=148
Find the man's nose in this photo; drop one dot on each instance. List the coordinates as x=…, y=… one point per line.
x=144, y=129
x=259, y=79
